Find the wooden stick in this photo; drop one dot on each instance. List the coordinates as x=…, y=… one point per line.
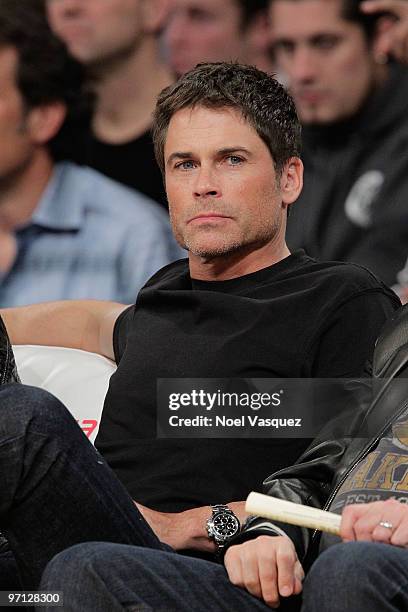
x=295, y=514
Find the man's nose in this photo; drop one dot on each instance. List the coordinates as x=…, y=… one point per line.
x=303, y=65
x=206, y=184
x=70, y=7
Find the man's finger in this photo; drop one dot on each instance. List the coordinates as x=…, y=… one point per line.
x=365, y=526
x=250, y=571
x=349, y=516
x=393, y=516
x=374, y=6
x=269, y=581
x=233, y=565
x=399, y=536
x=285, y=561
x=398, y=42
x=299, y=577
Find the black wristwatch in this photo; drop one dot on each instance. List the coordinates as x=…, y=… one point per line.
x=222, y=525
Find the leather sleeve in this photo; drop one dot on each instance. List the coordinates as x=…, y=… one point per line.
x=8, y=368
x=310, y=480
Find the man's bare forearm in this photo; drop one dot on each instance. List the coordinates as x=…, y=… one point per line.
x=187, y=529
x=84, y=324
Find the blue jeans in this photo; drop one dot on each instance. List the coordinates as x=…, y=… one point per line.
x=358, y=577
x=56, y=491
x=101, y=577
x=55, y=488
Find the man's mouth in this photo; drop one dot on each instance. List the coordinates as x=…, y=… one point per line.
x=310, y=97
x=208, y=216
x=73, y=32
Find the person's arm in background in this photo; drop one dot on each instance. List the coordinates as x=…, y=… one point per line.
x=86, y=325
x=393, y=39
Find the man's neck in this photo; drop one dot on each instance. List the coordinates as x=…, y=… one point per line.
x=236, y=264
x=21, y=193
x=127, y=93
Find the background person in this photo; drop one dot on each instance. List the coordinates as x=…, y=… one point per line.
x=117, y=42
x=65, y=232
x=394, y=38
x=214, y=31
x=351, y=103
x=393, y=42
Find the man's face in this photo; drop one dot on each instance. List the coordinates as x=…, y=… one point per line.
x=326, y=59
x=16, y=147
x=221, y=184
x=96, y=31
x=204, y=31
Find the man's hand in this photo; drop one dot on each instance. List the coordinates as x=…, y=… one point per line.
x=362, y=522
x=393, y=39
x=182, y=530
x=403, y=295
x=267, y=567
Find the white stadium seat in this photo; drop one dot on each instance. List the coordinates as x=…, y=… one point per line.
x=79, y=379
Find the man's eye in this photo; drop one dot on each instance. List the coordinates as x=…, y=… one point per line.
x=286, y=47
x=234, y=160
x=200, y=16
x=186, y=165
x=326, y=42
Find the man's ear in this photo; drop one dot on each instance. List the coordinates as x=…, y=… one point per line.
x=154, y=14
x=291, y=181
x=45, y=121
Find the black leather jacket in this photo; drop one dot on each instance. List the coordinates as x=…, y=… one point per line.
x=8, y=368
x=319, y=473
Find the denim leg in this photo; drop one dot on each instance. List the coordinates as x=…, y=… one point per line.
x=357, y=576
x=100, y=577
x=56, y=489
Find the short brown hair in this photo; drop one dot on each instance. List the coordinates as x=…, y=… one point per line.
x=260, y=98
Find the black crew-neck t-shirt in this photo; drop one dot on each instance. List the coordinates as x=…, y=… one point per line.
x=297, y=318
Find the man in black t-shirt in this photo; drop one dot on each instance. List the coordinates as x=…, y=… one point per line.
x=227, y=141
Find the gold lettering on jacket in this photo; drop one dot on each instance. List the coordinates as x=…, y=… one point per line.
x=384, y=476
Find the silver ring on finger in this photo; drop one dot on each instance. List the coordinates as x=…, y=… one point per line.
x=386, y=525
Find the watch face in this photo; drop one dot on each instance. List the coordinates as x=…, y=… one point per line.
x=225, y=525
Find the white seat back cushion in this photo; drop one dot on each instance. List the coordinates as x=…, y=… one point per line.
x=77, y=378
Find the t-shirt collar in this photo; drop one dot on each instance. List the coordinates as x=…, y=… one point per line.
x=235, y=285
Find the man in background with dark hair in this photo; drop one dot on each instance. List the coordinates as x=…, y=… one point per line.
x=117, y=42
x=351, y=101
x=217, y=30
x=65, y=232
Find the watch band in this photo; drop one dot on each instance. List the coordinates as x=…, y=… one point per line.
x=217, y=509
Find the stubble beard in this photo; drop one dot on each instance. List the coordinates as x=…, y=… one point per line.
x=227, y=246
